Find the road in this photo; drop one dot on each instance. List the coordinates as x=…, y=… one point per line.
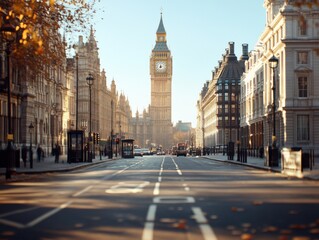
x=160, y=197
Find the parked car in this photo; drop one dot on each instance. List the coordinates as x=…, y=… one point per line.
x=138, y=152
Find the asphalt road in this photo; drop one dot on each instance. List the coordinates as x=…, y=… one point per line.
x=160, y=197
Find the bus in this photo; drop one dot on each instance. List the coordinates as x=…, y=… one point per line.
x=181, y=149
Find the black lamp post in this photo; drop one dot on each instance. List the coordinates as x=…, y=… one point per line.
x=31, y=128
x=273, y=64
x=9, y=32
x=89, y=81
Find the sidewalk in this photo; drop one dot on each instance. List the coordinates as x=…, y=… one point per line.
x=47, y=165
x=258, y=163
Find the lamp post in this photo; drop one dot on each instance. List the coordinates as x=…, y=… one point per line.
x=31, y=128
x=89, y=81
x=273, y=64
x=111, y=138
x=8, y=31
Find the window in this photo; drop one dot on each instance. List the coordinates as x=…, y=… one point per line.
x=302, y=86
x=302, y=57
x=303, y=127
x=302, y=26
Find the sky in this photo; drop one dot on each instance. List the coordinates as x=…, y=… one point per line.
x=198, y=32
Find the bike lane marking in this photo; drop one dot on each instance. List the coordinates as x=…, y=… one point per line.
x=207, y=231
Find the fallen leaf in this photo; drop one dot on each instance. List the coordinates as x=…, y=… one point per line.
x=314, y=231
x=297, y=226
x=246, y=236
x=300, y=238
x=257, y=203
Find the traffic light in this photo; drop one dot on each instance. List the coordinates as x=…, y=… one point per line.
x=117, y=140
x=93, y=138
x=97, y=138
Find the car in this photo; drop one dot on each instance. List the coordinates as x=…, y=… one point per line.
x=160, y=152
x=146, y=151
x=138, y=152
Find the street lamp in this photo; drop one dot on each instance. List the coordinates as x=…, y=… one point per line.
x=89, y=81
x=273, y=64
x=8, y=31
x=31, y=128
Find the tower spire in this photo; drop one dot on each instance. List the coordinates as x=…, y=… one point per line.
x=161, y=28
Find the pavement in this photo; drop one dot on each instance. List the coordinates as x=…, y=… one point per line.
x=48, y=165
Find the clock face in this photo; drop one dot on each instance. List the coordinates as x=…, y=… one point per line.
x=160, y=66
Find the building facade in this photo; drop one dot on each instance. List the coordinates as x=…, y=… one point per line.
x=219, y=101
x=292, y=36
x=161, y=70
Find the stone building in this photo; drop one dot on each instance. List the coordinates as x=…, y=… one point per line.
x=154, y=126
x=218, y=117
x=111, y=113
x=291, y=35
x=40, y=101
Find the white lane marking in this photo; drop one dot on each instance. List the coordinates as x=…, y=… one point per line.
x=156, y=188
x=186, y=187
x=173, y=199
x=151, y=213
x=48, y=214
x=128, y=187
x=199, y=215
x=159, y=179
x=148, y=231
x=18, y=211
x=12, y=224
x=207, y=231
x=82, y=191
x=177, y=168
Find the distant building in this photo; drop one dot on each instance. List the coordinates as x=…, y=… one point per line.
x=218, y=108
x=154, y=126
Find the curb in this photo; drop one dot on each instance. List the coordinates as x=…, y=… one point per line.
x=66, y=169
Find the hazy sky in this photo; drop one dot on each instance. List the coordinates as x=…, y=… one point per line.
x=198, y=31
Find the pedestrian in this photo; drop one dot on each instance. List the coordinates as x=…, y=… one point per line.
x=57, y=153
x=24, y=155
x=39, y=153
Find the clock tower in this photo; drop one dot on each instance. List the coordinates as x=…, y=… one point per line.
x=161, y=90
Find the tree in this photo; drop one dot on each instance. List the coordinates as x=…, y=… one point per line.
x=39, y=25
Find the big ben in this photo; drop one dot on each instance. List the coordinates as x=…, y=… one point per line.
x=161, y=90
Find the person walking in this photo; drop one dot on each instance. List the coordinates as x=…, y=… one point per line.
x=39, y=153
x=57, y=153
x=24, y=155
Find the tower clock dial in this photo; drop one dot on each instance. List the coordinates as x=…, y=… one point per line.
x=160, y=66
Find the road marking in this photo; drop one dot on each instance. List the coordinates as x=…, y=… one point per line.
x=48, y=214
x=198, y=215
x=128, y=187
x=177, y=168
x=151, y=213
x=156, y=189
x=18, y=212
x=148, y=231
x=175, y=199
x=12, y=224
x=186, y=187
x=159, y=179
x=207, y=231
x=82, y=191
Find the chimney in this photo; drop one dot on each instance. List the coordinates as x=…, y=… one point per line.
x=244, y=55
x=231, y=48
